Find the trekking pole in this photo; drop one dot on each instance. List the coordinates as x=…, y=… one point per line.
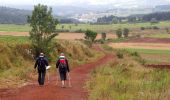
x=48, y=74
x=69, y=80
x=57, y=77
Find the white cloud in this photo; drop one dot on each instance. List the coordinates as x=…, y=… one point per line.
x=67, y=2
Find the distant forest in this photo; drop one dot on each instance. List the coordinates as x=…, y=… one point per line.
x=159, y=16
x=13, y=16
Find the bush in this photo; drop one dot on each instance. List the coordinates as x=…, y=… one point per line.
x=142, y=28
x=119, y=33
x=155, y=28
x=135, y=54
x=119, y=55
x=79, y=31
x=126, y=32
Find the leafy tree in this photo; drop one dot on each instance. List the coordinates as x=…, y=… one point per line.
x=70, y=27
x=90, y=36
x=104, y=36
x=62, y=27
x=43, y=29
x=119, y=33
x=126, y=32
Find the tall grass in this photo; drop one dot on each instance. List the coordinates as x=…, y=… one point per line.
x=126, y=79
x=17, y=62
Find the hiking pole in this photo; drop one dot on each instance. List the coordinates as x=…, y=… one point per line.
x=48, y=74
x=69, y=82
x=57, y=77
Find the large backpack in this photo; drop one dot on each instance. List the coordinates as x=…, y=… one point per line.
x=62, y=65
x=41, y=62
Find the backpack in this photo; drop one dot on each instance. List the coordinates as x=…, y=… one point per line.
x=41, y=62
x=63, y=64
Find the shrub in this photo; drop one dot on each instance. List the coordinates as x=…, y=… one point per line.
x=142, y=28
x=119, y=33
x=155, y=28
x=126, y=32
x=119, y=54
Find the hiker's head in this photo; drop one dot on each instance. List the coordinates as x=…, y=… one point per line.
x=41, y=54
x=62, y=54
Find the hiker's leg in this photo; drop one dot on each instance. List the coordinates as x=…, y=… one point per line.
x=43, y=77
x=39, y=78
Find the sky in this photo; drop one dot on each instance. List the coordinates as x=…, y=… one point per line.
x=65, y=2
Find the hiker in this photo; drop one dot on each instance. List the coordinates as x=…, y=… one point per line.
x=41, y=62
x=63, y=68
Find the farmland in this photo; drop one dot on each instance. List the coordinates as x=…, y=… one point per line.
x=75, y=27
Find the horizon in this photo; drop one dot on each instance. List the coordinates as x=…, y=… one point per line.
x=82, y=2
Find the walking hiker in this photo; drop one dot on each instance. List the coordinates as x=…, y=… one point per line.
x=63, y=69
x=41, y=62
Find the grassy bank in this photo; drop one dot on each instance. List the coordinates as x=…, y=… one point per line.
x=126, y=79
x=16, y=63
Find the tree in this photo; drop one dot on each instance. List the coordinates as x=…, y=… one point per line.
x=119, y=33
x=43, y=29
x=62, y=27
x=104, y=36
x=90, y=36
x=70, y=27
x=126, y=32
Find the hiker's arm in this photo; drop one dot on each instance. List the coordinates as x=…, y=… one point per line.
x=68, y=69
x=57, y=63
x=36, y=63
x=46, y=62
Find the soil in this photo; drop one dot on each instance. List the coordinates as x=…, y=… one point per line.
x=149, y=40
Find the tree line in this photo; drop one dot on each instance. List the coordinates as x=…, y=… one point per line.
x=13, y=16
x=158, y=16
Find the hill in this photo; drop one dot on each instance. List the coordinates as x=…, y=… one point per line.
x=13, y=16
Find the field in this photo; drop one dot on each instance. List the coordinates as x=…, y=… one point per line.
x=66, y=36
x=152, y=46
x=99, y=28
x=119, y=79
x=167, y=36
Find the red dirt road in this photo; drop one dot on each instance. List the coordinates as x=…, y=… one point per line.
x=50, y=91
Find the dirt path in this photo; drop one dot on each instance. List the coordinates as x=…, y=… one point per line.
x=50, y=91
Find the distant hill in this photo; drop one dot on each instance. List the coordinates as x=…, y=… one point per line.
x=13, y=16
x=163, y=7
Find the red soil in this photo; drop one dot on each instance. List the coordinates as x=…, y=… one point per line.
x=50, y=91
x=149, y=40
x=158, y=66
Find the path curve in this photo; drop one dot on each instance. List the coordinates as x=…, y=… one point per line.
x=50, y=91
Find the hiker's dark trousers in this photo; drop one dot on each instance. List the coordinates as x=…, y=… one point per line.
x=41, y=77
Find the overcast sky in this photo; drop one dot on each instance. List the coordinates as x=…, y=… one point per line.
x=64, y=2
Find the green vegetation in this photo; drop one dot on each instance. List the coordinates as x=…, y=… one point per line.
x=83, y=27
x=158, y=36
x=14, y=39
x=16, y=67
x=14, y=28
x=90, y=37
x=126, y=79
x=43, y=29
x=148, y=51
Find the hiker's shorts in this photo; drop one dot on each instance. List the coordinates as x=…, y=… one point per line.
x=63, y=75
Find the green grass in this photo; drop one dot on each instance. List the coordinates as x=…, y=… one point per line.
x=98, y=28
x=14, y=39
x=14, y=28
x=127, y=80
x=158, y=36
x=147, y=51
